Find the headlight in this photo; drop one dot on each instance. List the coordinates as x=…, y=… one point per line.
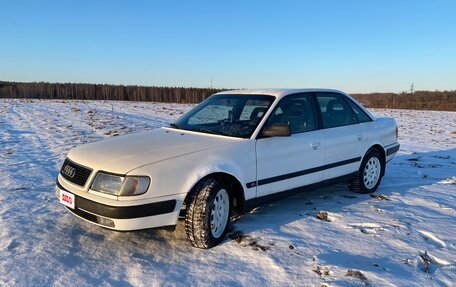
x=134, y=185
x=107, y=183
x=120, y=185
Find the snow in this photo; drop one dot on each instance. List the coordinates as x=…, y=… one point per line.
x=406, y=237
x=431, y=237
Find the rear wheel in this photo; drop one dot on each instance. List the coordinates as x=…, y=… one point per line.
x=208, y=213
x=370, y=172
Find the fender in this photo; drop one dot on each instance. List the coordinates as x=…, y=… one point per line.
x=371, y=144
x=201, y=172
x=179, y=175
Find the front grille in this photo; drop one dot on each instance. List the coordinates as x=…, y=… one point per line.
x=75, y=173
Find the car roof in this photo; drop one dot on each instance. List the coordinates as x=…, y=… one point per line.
x=279, y=93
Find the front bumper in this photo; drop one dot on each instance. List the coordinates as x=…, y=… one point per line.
x=125, y=218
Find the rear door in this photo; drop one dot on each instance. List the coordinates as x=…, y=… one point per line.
x=345, y=136
x=288, y=162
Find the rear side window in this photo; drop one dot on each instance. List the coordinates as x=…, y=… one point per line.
x=360, y=114
x=296, y=111
x=335, y=111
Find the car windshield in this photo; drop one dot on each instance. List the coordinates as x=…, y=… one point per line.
x=227, y=114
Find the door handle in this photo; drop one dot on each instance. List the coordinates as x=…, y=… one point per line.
x=315, y=146
x=361, y=137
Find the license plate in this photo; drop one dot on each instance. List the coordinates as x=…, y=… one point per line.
x=66, y=198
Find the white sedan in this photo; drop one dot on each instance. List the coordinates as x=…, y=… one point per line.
x=234, y=151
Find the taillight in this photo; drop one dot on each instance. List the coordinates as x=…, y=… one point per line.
x=397, y=132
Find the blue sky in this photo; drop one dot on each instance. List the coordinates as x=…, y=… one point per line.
x=355, y=46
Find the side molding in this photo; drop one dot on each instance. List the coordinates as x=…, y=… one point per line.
x=301, y=172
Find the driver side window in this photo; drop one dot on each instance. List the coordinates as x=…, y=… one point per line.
x=296, y=111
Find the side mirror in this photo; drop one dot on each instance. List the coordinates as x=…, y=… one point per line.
x=277, y=130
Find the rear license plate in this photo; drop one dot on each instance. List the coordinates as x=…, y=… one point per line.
x=66, y=199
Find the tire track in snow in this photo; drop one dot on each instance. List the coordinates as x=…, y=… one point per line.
x=26, y=196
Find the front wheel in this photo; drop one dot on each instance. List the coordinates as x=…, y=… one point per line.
x=208, y=213
x=370, y=172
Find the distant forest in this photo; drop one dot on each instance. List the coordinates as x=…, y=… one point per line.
x=419, y=100
x=426, y=100
x=70, y=91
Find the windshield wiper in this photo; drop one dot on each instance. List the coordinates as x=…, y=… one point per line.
x=208, y=131
x=173, y=125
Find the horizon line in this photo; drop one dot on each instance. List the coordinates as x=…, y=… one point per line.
x=210, y=88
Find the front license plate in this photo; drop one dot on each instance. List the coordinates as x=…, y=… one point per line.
x=66, y=199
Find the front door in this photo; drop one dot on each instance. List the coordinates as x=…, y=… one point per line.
x=285, y=163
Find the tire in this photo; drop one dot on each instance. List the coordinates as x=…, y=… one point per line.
x=205, y=226
x=370, y=173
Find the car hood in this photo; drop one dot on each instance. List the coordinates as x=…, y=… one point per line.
x=124, y=153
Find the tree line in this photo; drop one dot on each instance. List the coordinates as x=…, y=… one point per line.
x=419, y=100
x=429, y=100
x=71, y=91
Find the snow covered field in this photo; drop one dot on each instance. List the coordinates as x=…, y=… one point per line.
x=404, y=236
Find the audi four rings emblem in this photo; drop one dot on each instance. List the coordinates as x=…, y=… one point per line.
x=69, y=171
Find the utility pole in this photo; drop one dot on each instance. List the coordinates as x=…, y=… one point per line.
x=411, y=93
x=211, y=83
